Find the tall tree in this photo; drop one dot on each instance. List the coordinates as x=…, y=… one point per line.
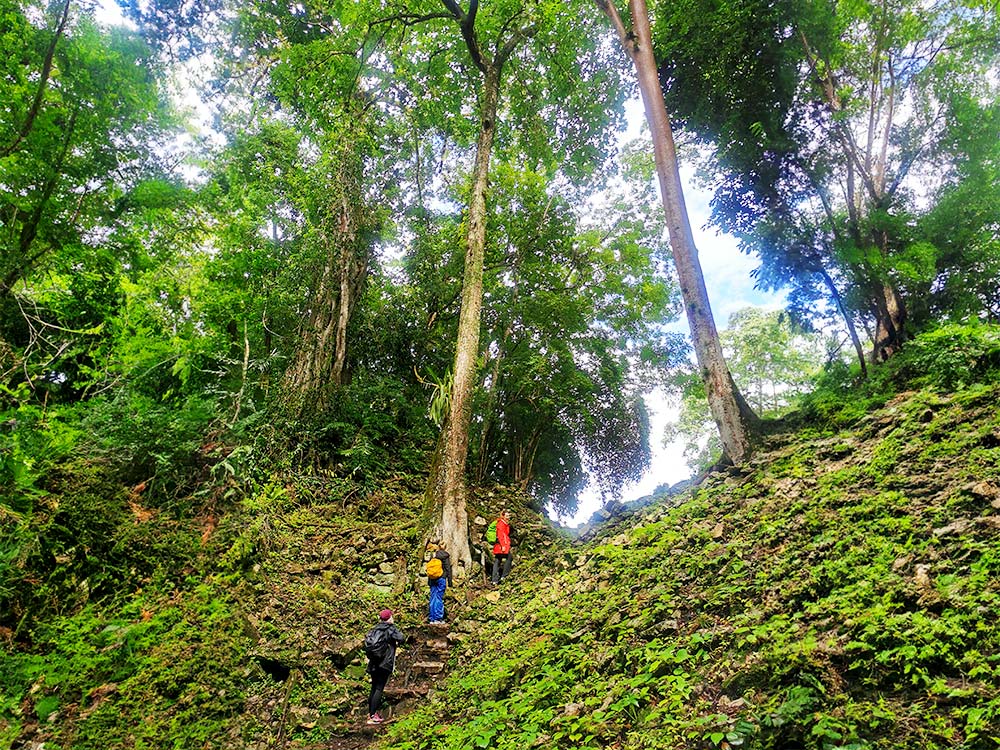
x=70, y=149
x=733, y=416
x=309, y=67
x=83, y=117
x=826, y=150
x=343, y=227
x=552, y=101
x=772, y=360
x=448, y=483
x=573, y=337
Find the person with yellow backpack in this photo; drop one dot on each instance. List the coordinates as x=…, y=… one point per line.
x=438, y=571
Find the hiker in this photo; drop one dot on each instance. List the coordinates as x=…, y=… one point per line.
x=501, y=549
x=380, y=647
x=438, y=580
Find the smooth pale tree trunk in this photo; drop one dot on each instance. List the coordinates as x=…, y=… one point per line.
x=733, y=416
x=450, y=485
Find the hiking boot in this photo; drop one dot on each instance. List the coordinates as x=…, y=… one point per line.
x=375, y=719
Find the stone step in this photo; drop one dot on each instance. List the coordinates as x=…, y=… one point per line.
x=431, y=654
x=398, y=692
x=428, y=667
x=437, y=644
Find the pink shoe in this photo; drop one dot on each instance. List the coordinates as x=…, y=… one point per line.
x=375, y=719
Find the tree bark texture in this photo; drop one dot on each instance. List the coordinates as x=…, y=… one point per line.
x=454, y=516
x=320, y=360
x=733, y=416
x=890, y=319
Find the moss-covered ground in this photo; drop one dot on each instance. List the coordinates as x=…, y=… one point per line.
x=840, y=590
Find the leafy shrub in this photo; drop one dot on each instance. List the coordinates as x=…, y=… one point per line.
x=150, y=441
x=948, y=358
x=32, y=439
x=372, y=426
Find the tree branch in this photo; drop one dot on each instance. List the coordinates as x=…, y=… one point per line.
x=609, y=9
x=467, y=23
x=512, y=44
x=36, y=105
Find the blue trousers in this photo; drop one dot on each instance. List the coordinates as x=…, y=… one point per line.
x=436, y=613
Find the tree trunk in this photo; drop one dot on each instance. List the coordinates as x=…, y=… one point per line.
x=889, y=321
x=43, y=82
x=851, y=328
x=320, y=359
x=735, y=419
x=454, y=520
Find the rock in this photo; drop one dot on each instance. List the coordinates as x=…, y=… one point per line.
x=304, y=717
x=387, y=567
x=921, y=576
x=984, y=491
x=726, y=702
x=957, y=526
x=340, y=652
x=992, y=521
x=573, y=709
x=428, y=667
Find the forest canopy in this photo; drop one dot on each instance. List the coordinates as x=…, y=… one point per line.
x=415, y=235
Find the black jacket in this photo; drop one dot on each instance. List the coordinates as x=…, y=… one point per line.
x=395, y=637
x=445, y=559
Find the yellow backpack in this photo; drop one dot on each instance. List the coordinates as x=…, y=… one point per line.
x=434, y=569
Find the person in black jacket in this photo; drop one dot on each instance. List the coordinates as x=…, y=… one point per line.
x=381, y=661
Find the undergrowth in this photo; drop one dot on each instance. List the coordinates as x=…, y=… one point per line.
x=838, y=592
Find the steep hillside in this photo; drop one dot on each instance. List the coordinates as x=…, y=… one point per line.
x=235, y=629
x=841, y=591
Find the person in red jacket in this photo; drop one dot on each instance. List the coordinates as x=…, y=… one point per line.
x=501, y=550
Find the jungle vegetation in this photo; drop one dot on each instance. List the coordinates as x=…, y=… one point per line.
x=249, y=249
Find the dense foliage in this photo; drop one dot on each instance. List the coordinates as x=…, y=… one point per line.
x=836, y=593
x=840, y=134
x=227, y=363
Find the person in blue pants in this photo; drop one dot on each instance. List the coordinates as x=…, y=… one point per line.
x=439, y=585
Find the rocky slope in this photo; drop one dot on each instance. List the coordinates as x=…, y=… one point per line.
x=839, y=591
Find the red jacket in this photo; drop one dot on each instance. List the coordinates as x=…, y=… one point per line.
x=502, y=547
